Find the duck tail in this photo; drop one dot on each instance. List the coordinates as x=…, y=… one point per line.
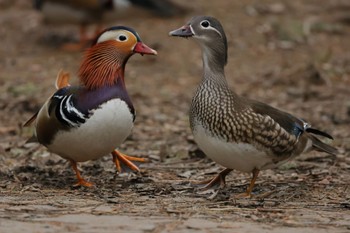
x=317, y=144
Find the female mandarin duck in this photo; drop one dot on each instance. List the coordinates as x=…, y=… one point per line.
x=234, y=131
x=88, y=121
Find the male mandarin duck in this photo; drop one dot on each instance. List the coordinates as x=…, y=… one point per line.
x=88, y=121
x=234, y=131
x=87, y=12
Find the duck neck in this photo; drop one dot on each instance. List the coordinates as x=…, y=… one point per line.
x=214, y=61
x=102, y=66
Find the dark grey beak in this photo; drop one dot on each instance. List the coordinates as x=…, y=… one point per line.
x=184, y=31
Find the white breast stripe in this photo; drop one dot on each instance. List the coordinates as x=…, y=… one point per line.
x=58, y=96
x=71, y=108
x=63, y=115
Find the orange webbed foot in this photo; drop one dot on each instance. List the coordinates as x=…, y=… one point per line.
x=119, y=158
x=217, y=182
x=214, y=185
x=81, y=180
x=248, y=193
x=84, y=183
x=243, y=195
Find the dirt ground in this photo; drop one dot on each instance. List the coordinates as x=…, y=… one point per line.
x=294, y=55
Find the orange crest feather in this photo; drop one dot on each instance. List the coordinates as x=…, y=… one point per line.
x=102, y=65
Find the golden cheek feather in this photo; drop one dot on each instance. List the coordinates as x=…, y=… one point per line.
x=123, y=40
x=128, y=45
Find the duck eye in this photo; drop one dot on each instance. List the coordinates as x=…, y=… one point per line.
x=122, y=38
x=205, y=24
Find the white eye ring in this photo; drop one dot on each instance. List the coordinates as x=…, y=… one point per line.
x=205, y=24
x=122, y=38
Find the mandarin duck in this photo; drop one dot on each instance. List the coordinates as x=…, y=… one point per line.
x=87, y=12
x=234, y=131
x=88, y=121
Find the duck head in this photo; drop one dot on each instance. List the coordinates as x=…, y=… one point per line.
x=209, y=33
x=104, y=62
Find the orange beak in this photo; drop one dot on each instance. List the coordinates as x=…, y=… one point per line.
x=142, y=49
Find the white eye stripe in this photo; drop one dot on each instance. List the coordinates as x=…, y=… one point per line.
x=205, y=24
x=210, y=27
x=114, y=35
x=106, y=36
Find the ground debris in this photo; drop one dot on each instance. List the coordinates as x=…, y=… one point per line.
x=289, y=54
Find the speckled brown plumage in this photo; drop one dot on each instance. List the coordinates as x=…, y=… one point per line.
x=237, y=132
x=231, y=118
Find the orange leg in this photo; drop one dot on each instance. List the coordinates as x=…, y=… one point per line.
x=248, y=193
x=81, y=181
x=119, y=157
x=215, y=183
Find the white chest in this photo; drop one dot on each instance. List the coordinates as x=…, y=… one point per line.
x=239, y=156
x=106, y=129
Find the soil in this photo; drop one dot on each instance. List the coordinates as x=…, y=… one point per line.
x=293, y=55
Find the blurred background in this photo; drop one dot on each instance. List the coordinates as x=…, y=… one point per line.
x=294, y=55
